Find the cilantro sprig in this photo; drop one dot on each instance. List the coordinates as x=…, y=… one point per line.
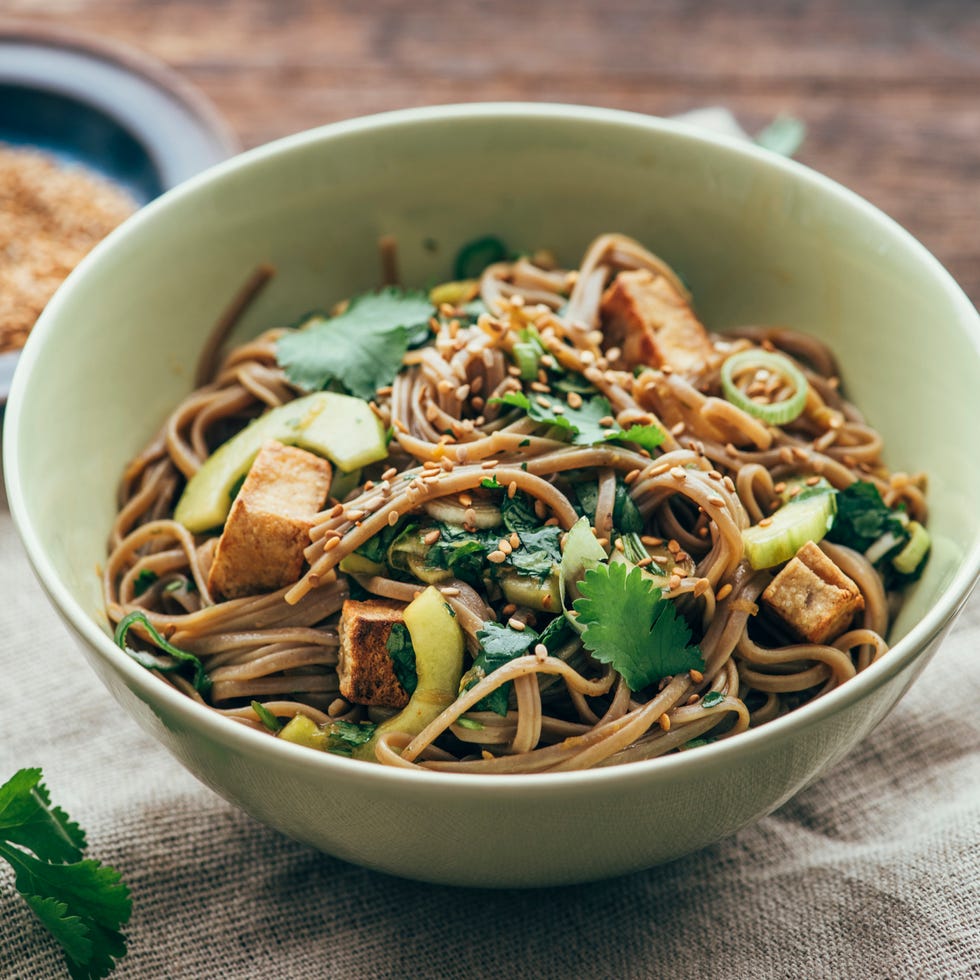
x=360, y=349
x=583, y=424
x=630, y=625
x=82, y=903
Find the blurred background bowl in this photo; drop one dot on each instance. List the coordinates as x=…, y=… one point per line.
x=758, y=239
x=116, y=111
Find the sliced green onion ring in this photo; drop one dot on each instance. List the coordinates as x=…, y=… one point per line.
x=772, y=413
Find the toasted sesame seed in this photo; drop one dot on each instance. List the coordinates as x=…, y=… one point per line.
x=779, y=487
x=801, y=454
x=677, y=428
x=693, y=699
x=393, y=518
x=602, y=542
x=496, y=557
x=724, y=592
x=558, y=409
x=714, y=475
x=516, y=624
x=674, y=583
x=543, y=402
x=678, y=473
x=618, y=544
x=331, y=544
x=673, y=546
x=607, y=421
x=574, y=399
x=665, y=722
x=539, y=509
x=432, y=536
x=541, y=651
x=489, y=464
x=631, y=476
x=336, y=510
x=701, y=586
x=546, y=600
x=511, y=488
x=813, y=481
x=716, y=501
x=449, y=591
x=515, y=541
x=466, y=500
x=696, y=676
x=651, y=541
x=765, y=522
x=509, y=609
x=390, y=473
x=729, y=486
x=504, y=545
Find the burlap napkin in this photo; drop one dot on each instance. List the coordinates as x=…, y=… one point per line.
x=874, y=871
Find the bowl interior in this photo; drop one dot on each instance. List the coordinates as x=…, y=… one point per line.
x=758, y=241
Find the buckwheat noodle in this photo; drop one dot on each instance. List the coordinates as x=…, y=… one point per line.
x=715, y=474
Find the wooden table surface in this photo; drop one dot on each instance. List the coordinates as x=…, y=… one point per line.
x=889, y=89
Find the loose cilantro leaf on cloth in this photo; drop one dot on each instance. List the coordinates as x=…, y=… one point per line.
x=177, y=658
x=582, y=424
x=82, y=903
x=362, y=348
x=863, y=517
x=629, y=625
x=402, y=653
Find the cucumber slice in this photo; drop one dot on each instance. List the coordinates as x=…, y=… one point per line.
x=910, y=557
x=343, y=429
x=789, y=529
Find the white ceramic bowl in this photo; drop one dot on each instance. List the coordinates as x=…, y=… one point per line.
x=758, y=239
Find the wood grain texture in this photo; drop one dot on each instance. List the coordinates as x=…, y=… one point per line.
x=889, y=89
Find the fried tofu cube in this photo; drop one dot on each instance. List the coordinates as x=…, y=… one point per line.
x=268, y=527
x=650, y=321
x=365, y=668
x=813, y=597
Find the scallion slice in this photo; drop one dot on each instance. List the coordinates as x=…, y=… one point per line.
x=772, y=413
x=910, y=557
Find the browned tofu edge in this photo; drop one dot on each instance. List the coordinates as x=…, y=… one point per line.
x=261, y=550
x=653, y=325
x=812, y=596
x=365, y=669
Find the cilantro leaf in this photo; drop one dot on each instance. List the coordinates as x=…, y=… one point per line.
x=402, y=653
x=626, y=517
x=362, y=348
x=583, y=424
x=145, y=579
x=501, y=644
x=712, y=698
x=863, y=517
x=462, y=552
x=540, y=548
x=82, y=904
x=344, y=736
x=498, y=646
x=27, y=818
x=629, y=625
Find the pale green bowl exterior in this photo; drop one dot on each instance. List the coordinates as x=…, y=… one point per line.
x=758, y=239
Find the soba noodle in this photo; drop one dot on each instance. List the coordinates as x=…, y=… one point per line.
x=718, y=470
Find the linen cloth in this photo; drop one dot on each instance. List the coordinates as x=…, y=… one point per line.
x=873, y=871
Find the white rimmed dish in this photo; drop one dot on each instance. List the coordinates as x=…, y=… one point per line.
x=758, y=239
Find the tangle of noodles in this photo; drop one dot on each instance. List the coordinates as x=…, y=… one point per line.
x=718, y=470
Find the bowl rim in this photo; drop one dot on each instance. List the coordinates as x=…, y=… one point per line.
x=208, y=723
